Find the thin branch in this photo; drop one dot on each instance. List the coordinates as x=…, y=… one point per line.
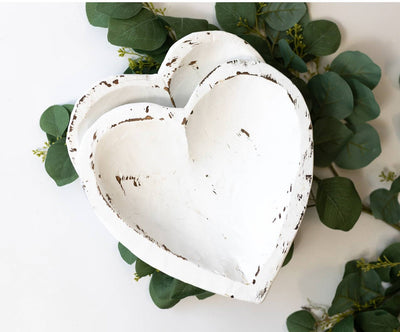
x=335, y=173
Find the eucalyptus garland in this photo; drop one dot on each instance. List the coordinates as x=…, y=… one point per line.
x=340, y=101
x=367, y=299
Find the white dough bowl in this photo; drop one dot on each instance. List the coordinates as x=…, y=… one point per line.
x=208, y=186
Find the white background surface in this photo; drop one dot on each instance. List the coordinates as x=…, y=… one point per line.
x=59, y=268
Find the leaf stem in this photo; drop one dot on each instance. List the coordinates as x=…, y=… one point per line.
x=333, y=170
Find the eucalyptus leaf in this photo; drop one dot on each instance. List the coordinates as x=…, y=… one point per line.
x=126, y=255
x=289, y=255
x=385, y=206
x=393, y=289
x=260, y=46
x=338, y=203
x=330, y=135
x=350, y=267
x=357, y=65
x=54, y=120
x=163, y=49
x=68, y=107
x=161, y=290
x=321, y=37
x=365, y=106
x=332, y=95
x=392, y=305
x=305, y=19
x=356, y=289
x=96, y=18
x=274, y=35
x=166, y=291
x=143, y=269
x=143, y=31
x=204, y=295
x=212, y=27
x=376, y=321
x=361, y=149
x=302, y=86
x=345, y=325
x=290, y=58
x=283, y=15
x=301, y=321
x=184, y=26
x=229, y=15
x=58, y=165
x=51, y=138
x=121, y=10
x=391, y=253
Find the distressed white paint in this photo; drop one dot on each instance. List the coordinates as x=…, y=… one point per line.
x=226, y=190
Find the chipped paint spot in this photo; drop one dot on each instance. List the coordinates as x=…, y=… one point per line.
x=119, y=180
x=245, y=132
x=105, y=83
x=168, y=64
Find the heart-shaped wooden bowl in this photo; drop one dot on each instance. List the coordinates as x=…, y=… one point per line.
x=211, y=192
x=186, y=64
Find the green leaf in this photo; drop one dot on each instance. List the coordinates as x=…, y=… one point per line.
x=365, y=106
x=96, y=18
x=58, y=165
x=361, y=149
x=332, y=95
x=161, y=50
x=289, y=255
x=51, y=138
x=121, y=10
x=392, y=305
x=204, y=295
x=338, y=203
x=54, y=120
x=376, y=321
x=330, y=135
x=166, y=291
x=350, y=267
x=300, y=321
x=391, y=253
x=230, y=13
x=357, y=65
x=385, y=206
x=275, y=35
x=395, y=187
x=143, y=31
x=126, y=255
x=305, y=19
x=212, y=27
x=290, y=58
x=357, y=288
x=283, y=15
x=345, y=325
x=321, y=37
x=302, y=86
x=185, y=26
x=143, y=269
x=68, y=107
x=391, y=290
x=259, y=44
